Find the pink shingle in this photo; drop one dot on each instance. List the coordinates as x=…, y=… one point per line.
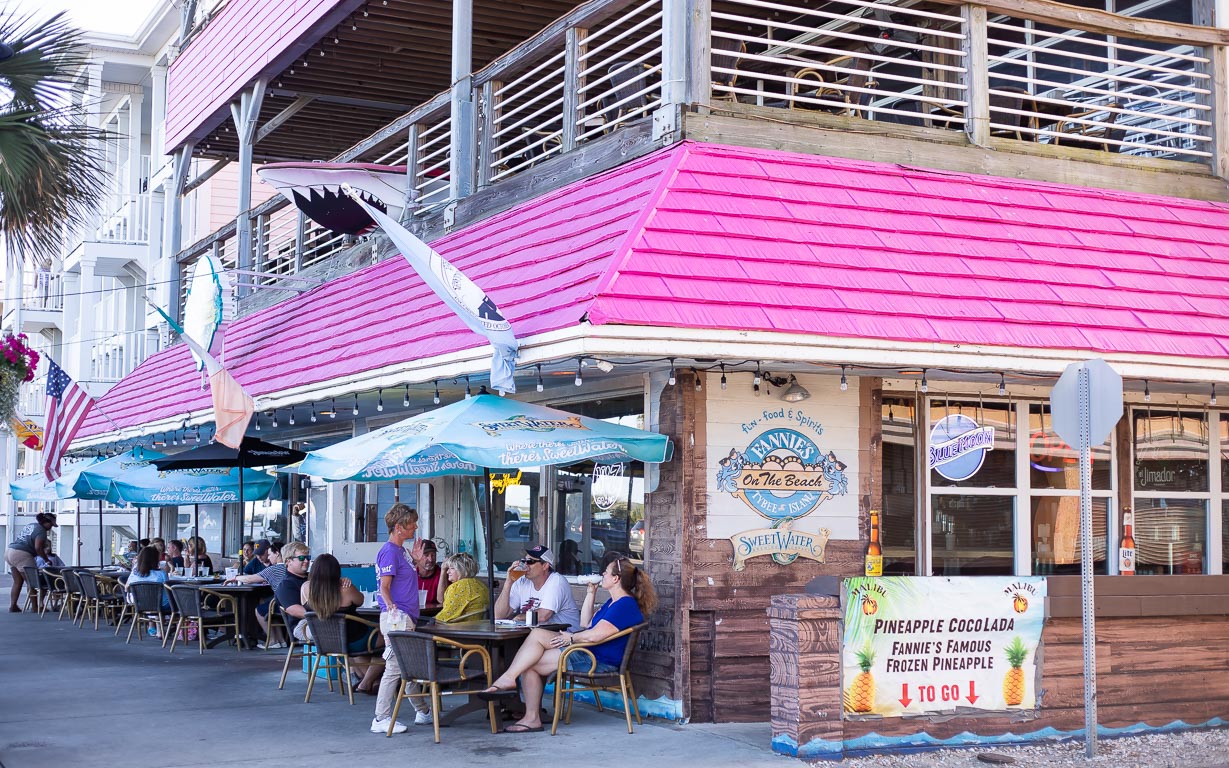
x=708, y=236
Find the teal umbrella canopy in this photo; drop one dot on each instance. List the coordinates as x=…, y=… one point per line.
x=148, y=486
x=482, y=432
x=36, y=488
x=94, y=481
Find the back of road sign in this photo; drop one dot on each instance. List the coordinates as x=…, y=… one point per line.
x=1105, y=402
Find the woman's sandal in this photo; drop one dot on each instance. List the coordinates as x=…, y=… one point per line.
x=521, y=728
x=494, y=694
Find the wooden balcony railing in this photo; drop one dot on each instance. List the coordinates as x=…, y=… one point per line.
x=1043, y=76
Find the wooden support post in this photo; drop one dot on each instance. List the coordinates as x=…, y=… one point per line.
x=571, y=87
x=461, y=157
x=700, y=53
x=976, y=74
x=1220, y=109
x=805, y=662
x=486, y=143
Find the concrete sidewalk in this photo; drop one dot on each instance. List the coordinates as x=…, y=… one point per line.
x=76, y=697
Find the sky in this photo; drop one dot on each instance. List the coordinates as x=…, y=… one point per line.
x=116, y=16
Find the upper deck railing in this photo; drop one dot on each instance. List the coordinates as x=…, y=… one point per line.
x=1031, y=75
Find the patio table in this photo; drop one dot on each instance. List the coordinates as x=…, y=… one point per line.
x=247, y=597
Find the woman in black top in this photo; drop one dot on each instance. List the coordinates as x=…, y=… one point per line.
x=327, y=594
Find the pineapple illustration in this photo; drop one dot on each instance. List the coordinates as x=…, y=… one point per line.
x=1019, y=603
x=861, y=696
x=1013, y=683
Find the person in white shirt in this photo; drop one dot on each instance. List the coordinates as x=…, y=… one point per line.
x=540, y=589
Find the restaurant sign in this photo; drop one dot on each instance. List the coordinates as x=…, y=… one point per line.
x=952, y=645
x=784, y=545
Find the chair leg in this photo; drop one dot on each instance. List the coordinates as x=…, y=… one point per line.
x=635, y=707
x=311, y=678
x=554, y=726
x=176, y=628
x=349, y=682
x=286, y=666
x=392, y=721
x=120, y=624
x=136, y=622
x=627, y=712
x=435, y=709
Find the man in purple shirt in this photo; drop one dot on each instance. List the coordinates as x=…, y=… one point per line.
x=398, y=598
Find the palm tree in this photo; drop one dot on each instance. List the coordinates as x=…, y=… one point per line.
x=51, y=161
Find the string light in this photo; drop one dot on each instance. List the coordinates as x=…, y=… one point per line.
x=723, y=382
x=1002, y=385
x=258, y=422
x=844, y=381
x=405, y=401
x=1147, y=393
x=924, y=384
x=313, y=418
x=1212, y=401
x=354, y=410
x=275, y=418
x=541, y=386
x=696, y=374
x=468, y=394
x=380, y=401
x=580, y=364
x=758, y=377
x=332, y=407
x=436, y=399
x=291, y=419
x=671, y=380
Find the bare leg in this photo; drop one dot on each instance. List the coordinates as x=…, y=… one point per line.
x=19, y=578
x=533, y=681
x=535, y=648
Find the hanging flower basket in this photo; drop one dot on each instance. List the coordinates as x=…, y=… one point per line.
x=17, y=365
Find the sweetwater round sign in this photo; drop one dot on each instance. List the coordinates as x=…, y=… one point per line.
x=958, y=446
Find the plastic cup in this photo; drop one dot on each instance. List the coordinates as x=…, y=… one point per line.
x=422, y=598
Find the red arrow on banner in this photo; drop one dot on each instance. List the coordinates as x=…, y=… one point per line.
x=904, y=695
x=972, y=697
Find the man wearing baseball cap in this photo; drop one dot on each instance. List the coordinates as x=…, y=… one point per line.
x=539, y=589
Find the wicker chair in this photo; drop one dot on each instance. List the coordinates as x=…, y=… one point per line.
x=34, y=588
x=74, y=600
x=569, y=682
x=415, y=653
x=51, y=587
x=145, y=605
x=332, y=651
x=210, y=610
x=295, y=649
x=96, y=600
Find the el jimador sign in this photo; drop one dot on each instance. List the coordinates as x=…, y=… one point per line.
x=918, y=645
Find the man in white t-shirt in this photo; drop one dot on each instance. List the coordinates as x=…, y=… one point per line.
x=541, y=589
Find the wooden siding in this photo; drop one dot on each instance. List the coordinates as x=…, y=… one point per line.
x=248, y=38
x=729, y=646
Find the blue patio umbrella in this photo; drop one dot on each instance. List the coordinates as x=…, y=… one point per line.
x=36, y=488
x=473, y=436
x=148, y=486
x=94, y=482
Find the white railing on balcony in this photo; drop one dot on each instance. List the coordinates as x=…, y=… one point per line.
x=32, y=397
x=128, y=223
x=42, y=290
x=115, y=357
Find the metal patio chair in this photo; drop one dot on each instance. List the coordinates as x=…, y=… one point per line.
x=416, y=655
x=569, y=682
x=332, y=651
x=210, y=610
x=146, y=609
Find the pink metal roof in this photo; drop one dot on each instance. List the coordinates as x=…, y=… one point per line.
x=708, y=236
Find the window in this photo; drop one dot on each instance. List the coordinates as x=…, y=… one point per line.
x=899, y=487
x=1172, y=460
x=369, y=502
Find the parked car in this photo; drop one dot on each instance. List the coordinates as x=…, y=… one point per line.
x=635, y=540
x=516, y=537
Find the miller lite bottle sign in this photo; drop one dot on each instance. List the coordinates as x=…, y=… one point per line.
x=1126, y=552
x=874, y=552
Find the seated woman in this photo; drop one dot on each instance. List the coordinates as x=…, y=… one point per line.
x=326, y=595
x=146, y=570
x=464, y=597
x=632, y=598
x=198, y=557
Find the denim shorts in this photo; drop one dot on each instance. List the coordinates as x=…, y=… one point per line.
x=579, y=662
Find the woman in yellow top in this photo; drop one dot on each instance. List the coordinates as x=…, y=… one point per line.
x=465, y=598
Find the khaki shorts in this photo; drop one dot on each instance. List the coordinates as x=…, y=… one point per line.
x=18, y=559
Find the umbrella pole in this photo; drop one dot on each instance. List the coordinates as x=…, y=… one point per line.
x=196, y=534
x=100, y=562
x=490, y=555
x=224, y=529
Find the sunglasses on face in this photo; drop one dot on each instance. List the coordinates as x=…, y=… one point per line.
x=531, y=561
x=302, y=558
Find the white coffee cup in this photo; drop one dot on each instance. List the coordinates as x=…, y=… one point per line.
x=422, y=598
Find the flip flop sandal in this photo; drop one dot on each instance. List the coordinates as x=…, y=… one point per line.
x=518, y=728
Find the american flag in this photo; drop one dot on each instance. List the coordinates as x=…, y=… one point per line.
x=67, y=407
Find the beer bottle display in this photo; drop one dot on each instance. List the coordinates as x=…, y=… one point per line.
x=1126, y=552
x=874, y=552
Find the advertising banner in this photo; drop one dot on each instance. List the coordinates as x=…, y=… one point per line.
x=917, y=645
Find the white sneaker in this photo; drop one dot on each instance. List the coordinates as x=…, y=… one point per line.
x=423, y=718
x=381, y=726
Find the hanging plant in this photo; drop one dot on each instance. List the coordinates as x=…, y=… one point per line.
x=17, y=365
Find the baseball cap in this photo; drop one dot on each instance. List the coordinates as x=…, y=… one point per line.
x=542, y=552
x=429, y=546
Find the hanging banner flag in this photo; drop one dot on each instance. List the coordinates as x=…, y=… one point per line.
x=27, y=432
x=456, y=290
x=952, y=645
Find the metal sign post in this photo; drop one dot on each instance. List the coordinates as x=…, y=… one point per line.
x=1086, y=404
